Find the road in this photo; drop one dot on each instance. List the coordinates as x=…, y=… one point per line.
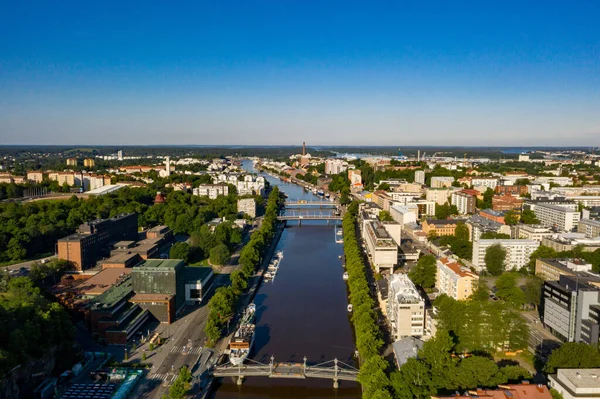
x=26, y=265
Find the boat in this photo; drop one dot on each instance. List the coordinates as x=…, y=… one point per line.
x=327, y=195
x=345, y=276
x=320, y=193
x=241, y=342
x=339, y=256
x=314, y=190
x=339, y=232
x=269, y=275
x=279, y=254
x=349, y=308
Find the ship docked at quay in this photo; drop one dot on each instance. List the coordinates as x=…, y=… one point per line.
x=241, y=342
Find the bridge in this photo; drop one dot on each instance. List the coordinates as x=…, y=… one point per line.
x=302, y=204
x=309, y=216
x=335, y=370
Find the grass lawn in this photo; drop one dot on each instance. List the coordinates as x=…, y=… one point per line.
x=202, y=263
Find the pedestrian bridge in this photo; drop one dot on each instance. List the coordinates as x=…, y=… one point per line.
x=335, y=370
x=310, y=204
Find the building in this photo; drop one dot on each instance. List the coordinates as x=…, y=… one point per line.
x=71, y=161
x=518, y=252
x=35, y=176
x=381, y=247
x=484, y=182
x=550, y=269
x=576, y=383
x=441, y=181
x=477, y=225
x=567, y=304
x=420, y=176
x=438, y=195
x=197, y=283
x=454, y=280
x=514, y=190
x=493, y=215
x=382, y=199
x=89, y=163
x=247, y=206
x=84, y=248
x=406, y=348
x=403, y=214
x=465, y=201
x=589, y=227
x=163, y=232
x=524, y=390
x=122, y=260
x=445, y=227
x=211, y=191
x=71, y=178
x=159, y=286
x=558, y=217
x=506, y=203
x=335, y=166
x=92, y=181
x=567, y=241
x=120, y=155
x=405, y=308
x=535, y=232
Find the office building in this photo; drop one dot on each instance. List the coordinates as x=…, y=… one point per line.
x=405, y=308
x=160, y=232
x=518, y=252
x=589, y=227
x=576, y=383
x=465, y=201
x=84, y=248
x=420, y=176
x=454, y=280
x=120, y=155
x=441, y=181
x=550, y=269
x=211, y=191
x=566, y=304
x=381, y=247
x=247, y=206
x=558, y=217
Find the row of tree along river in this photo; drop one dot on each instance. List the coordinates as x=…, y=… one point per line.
x=302, y=312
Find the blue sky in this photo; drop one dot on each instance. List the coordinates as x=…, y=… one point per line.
x=283, y=72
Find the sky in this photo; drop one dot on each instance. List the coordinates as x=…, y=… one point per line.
x=507, y=73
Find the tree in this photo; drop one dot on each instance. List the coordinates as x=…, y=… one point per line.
x=573, y=355
x=490, y=235
x=462, y=232
x=424, y=273
x=477, y=371
x=413, y=380
x=533, y=291
x=494, y=259
x=528, y=217
x=511, y=218
x=384, y=187
x=181, y=386
x=180, y=250
x=372, y=375
x=345, y=196
x=541, y=252
x=219, y=255
x=238, y=281
x=555, y=394
x=508, y=290
x=385, y=216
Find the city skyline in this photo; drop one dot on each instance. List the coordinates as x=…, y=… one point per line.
x=331, y=74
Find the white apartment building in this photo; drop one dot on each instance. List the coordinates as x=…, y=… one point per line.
x=465, y=202
x=405, y=308
x=335, y=166
x=381, y=247
x=455, y=280
x=211, y=191
x=438, y=195
x=403, y=214
x=485, y=182
x=560, y=180
x=557, y=216
x=518, y=252
x=247, y=206
x=534, y=232
x=420, y=176
x=589, y=227
x=576, y=383
x=441, y=181
x=403, y=197
x=93, y=181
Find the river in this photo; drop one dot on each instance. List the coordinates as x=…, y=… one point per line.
x=301, y=313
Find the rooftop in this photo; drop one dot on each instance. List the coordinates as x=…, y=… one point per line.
x=105, y=189
x=507, y=241
x=459, y=270
x=404, y=289
x=194, y=273
x=590, y=222
x=150, y=297
x=113, y=295
x=159, y=265
x=406, y=348
x=580, y=378
x=120, y=257
x=103, y=280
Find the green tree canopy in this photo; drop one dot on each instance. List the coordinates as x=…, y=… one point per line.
x=511, y=218
x=424, y=273
x=219, y=255
x=528, y=217
x=508, y=290
x=573, y=355
x=180, y=250
x=494, y=259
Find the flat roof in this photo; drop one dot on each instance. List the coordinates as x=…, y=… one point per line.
x=150, y=297
x=123, y=243
x=580, y=378
x=105, y=189
x=113, y=295
x=120, y=257
x=103, y=280
x=74, y=237
x=159, y=264
x=196, y=273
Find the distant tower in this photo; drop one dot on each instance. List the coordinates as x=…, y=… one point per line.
x=120, y=155
x=418, y=155
x=303, y=148
x=168, y=165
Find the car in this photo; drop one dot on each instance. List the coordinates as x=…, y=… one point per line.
x=23, y=270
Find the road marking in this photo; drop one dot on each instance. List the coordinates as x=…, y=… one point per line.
x=160, y=377
x=185, y=350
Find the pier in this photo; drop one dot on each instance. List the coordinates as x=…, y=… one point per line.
x=334, y=370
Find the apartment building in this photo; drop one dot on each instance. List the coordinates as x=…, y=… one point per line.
x=405, y=308
x=71, y=178
x=560, y=218
x=524, y=390
x=484, y=182
x=567, y=241
x=71, y=161
x=381, y=247
x=35, y=176
x=506, y=203
x=567, y=303
x=247, y=206
x=477, y=225
x=454, y=280
x=441, y=181
x=518, y=252
x=89, y=163
x=535, y=232
x=438, y=195
x=382, y=199
x=211, y=191
x=550, y=269
x=93, y=181
x=514, y=190
x=335, y=166
x=589, y=227
x=445, y=227
x=420, y=176
x=493, y=215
